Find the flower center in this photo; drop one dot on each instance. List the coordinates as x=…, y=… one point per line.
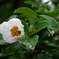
x=14, y=31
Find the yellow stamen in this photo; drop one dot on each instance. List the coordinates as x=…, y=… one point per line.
x=14, y=31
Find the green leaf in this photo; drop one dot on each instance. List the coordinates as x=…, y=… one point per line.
x=26, y=29
x=58, y=28
x=32, y=3
x=52, y=44
x=51, y=20
x=10, y=49
x=2, y=42
x=40, y=25
x=43, y=56
x=26, y=11
x=1, y=37
x=29, y=17
x=31, y=42
x=56, y=11
x=53, y=23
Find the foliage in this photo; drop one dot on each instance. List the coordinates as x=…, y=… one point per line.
x=41, y=39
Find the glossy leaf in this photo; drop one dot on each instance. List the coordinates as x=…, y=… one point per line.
x=53, y=23
x=26, y=29
x=29, y=17
x=31, y=42
x=26, y=11
x=40, y=25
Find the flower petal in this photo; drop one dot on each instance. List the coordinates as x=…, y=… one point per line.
x=15, y=21
x=5, y=28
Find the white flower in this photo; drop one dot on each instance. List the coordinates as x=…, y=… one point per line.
x=12, y=30
x=44, y=1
